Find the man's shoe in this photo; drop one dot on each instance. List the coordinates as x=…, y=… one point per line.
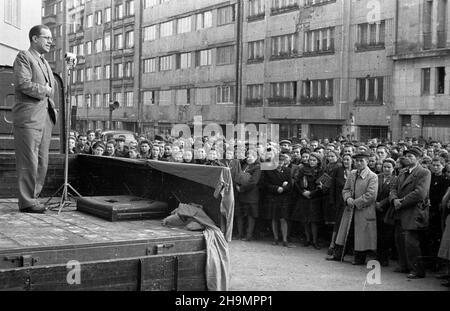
x=413, y=276
x=38, y=209
x=331, y=258
x=401, y=270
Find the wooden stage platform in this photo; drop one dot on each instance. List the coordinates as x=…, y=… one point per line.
x=35, y=250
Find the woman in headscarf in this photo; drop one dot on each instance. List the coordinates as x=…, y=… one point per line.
x=309, y=204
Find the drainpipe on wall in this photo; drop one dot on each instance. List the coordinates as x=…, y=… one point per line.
x=238, y=67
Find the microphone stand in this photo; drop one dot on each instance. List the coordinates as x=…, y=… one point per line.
x=71, y=62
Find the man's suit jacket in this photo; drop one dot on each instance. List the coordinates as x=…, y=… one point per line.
x=32, y=100
x=413, y=190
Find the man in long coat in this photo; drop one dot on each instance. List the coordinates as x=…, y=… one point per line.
x=358, y=224
x=409, y=198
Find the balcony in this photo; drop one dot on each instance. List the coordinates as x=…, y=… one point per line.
x=284, y=55
x=316, y=101
x=329, y=51
x=282, y=10
x=256, y=17
x=254, y=102
x=368, y=102
x=281, y=101
x=364, y=47
x=257, y=60
x=49, y=20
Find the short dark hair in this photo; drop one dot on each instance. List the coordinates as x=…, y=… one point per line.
x=36, y=31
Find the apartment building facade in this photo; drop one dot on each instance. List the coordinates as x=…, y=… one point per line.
x=16, y=19
x=319, y=68
x=422, y=71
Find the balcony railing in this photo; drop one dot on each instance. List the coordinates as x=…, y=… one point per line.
x=282, y=101
x=369, y=46
x=369, y=102
x=256, y=17
x=316, y=101
x=319, y=53
x=254, y=102
x=285, y=9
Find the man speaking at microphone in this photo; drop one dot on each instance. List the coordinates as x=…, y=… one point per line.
x=34, y=115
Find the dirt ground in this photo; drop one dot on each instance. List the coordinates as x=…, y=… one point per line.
x=261, y=266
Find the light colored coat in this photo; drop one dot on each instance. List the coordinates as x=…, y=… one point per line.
x=364, y=190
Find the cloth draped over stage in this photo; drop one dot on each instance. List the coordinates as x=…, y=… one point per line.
x=218, y=178
x=217, y=254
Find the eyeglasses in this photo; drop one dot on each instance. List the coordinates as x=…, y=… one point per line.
x=48, y=38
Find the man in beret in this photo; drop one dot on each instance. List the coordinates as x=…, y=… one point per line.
x=358, y=225
x=98, y=148
x=409, y=199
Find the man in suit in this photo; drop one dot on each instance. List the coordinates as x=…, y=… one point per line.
x=409, y=198
x=34, y=115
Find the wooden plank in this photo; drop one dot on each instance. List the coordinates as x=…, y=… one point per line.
x=146, y=273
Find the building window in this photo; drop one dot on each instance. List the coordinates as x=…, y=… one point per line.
x=118, y=41
x=107, y=72
x=184, y=24
x=371, y=35
x=129, y=99
x=80, y=101
x=107, y=41
x=59, y=31
x=225, y=15
x=150, y=33
x=203, y=20
x=12, y=12
x=183, y=97
x=148, y=98
x=320, y=40
x=165, y=98
x=370, y=90
x=119, y=12
x=184, y=60
x=106, y=100
x=203, y=58
x=97, y=101
x=317, y=92
x=88, y=47
x=256, y=50
x=166, y=29
x=225, y=94
x=283, y=90
x=107, y=14
x=88, y=74
x=98, y=17
x=88, y=100
x=129, y=8
x=150, y=65
x=90, y=20
x=150, y=3
x=98, y=45
x=440, y=80
x=129, y=39
x=225, y=55
x=284, y=46
x=426, y=81
x=128, y=70
x=255, y=94
x=278, y=5
x=255, y=8
x=118, y=96
x=98, y=72
x=203, y=96
x=165, y=63
x=118, y=70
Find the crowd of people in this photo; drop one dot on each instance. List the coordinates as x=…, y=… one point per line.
x=391, y=200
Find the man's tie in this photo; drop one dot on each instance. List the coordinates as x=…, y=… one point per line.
x=46, y=72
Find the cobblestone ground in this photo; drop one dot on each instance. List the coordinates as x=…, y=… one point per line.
x=261, y=266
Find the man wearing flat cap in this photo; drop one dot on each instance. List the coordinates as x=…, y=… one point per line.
x=409, y=199
x=358, y=224
x=285, y=146
x=121, y=149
